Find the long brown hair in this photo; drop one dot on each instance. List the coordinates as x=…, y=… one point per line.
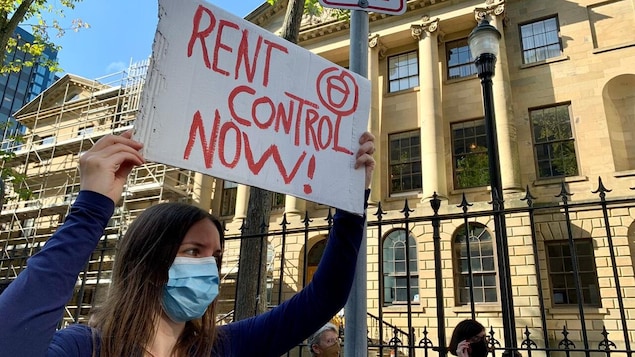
x=125, y=322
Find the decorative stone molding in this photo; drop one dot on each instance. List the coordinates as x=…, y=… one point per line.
x=375, y=42
x=492, y=8
x=427, y=25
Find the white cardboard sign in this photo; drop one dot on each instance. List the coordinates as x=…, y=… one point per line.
x=231, y=100
x=392, y=7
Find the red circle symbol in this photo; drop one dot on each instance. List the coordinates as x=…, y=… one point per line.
x=338, y=91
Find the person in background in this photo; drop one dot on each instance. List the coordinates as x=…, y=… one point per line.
x=468, y=340
x=325, y=342
x=165, y=277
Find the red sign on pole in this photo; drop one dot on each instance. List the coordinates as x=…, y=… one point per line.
x=392, y=7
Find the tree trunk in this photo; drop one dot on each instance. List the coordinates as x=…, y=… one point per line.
x=293, y=20
x=251, y=293
x=251, y=289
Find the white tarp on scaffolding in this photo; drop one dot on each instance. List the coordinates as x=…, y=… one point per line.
x=231, y=100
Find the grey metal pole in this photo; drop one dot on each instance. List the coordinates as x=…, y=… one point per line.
x=355, y=329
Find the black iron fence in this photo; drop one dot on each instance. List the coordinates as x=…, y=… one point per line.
x=570, y=294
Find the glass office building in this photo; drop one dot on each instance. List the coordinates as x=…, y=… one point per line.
x=18, y=88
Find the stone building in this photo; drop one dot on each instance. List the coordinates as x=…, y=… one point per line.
x=565, y=115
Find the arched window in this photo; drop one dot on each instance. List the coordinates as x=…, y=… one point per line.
x=482, y=260
x=314, y=257
x=395, y=273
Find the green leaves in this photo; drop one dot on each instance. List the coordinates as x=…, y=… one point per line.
x=30, y=15
x=312, y=8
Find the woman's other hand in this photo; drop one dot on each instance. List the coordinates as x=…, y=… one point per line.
x=364, y=157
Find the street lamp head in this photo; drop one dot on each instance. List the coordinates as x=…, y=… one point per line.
x=484, y=39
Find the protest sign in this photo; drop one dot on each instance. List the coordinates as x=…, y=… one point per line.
x=231, y=100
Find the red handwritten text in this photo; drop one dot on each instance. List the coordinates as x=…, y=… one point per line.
x=218, y=139
x=203, y=26
x=319, y=131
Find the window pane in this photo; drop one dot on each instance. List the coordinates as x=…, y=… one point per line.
x=540, y=40
x=396, y=277
x=471, y=166
x=488, y=263
x=403, y=71
x=405, y=161
x=459, y=63
x=490, y=295
x=482, y=264
x=228, y=200
x=554, y=144
x=563, y=276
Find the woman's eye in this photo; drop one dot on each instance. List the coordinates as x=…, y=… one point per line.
x=193, y=252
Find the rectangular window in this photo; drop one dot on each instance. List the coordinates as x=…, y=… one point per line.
x=72, y=191
x=459, y=59
x=85, y=131
x=116, y=219
x=183, y=178
x=28, y=227
x=403, y=71
x=405, y=161
x=277, y=200
x=540, y=40
x=554, y=145
x=47, y=140
x=562, y=275
x=469, y=154
x=228, y=201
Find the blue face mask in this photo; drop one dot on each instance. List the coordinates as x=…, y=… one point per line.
x=192, y=286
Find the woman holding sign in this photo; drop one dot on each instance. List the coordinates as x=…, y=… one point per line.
x=165, y=278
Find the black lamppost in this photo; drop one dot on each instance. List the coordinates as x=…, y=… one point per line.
x=484, y=43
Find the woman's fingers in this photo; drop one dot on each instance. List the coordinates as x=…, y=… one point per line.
x=364, y=157
x=366, y=150
x=105, y=167
x=366, y=136
x=108, y=152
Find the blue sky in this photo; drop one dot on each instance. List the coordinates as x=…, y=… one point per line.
x=121, y=31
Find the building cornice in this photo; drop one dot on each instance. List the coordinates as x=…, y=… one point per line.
x=315, y=27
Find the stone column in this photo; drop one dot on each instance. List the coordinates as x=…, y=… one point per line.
x=294, y=205
x=494, y=11
x=430, y=110
x=377, y=52
x=202, y=192
x=242, y=201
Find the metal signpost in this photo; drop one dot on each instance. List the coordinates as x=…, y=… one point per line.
x=355, y=328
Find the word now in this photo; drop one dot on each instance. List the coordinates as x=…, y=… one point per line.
x=218, y=140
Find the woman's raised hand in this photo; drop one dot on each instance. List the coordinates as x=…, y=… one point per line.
x=105, y=167
x=364, y=157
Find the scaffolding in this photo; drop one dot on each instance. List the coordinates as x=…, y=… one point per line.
x=61, y=123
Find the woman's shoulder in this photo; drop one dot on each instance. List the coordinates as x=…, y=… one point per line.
x=74, y=340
